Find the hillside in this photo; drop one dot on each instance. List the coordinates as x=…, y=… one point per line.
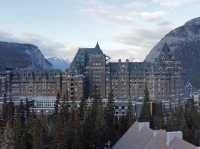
x=27, y=56
x=184, y=42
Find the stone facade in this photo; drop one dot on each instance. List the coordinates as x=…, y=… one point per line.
x=29, y=83
x=96, y=74
x=91, y=74
x=41, y=83
x=164, y=77
x=72, y=86
x=91, y=62
x=4, y=83
x=125, y=79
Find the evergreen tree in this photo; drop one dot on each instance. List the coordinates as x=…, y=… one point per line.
x=157, y=117
x=196, y=137
x=145, y=115
x=82, y=109
x=21, y=113
x=116, y=131
x=19, y=130
x=130, y=114
x=23, y=138
x=181, y=123
x=56, y=106
x=88, y=138
x=170, y=122
x=94, y=123
x=8, y=141
x=60, y=130
x=36, y=130
x=76, y=125
x=100, y=126
x=8, y=109
x=5, y=108
x=27, y=108
x=180, y=119
x=109, y=118
x=122, y=126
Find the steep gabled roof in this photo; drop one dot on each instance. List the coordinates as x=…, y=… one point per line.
x=158, y=141
x=178, y=143
x=140, y=136
x=81, y=58
x=134, y=138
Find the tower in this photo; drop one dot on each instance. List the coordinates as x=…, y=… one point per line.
x=91, y=62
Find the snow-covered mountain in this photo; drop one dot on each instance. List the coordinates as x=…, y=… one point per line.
x=184, y=42
x=59, y=63
x=26, y=56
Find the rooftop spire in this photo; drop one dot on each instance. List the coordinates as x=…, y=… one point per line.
x=97, y=45
x=166, y=53
x=166, y=49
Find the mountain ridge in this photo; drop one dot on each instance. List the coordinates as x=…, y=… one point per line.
x=22, y=56
x=184, y=42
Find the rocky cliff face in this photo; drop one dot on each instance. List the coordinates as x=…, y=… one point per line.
x=184, y=43
x=27, y=56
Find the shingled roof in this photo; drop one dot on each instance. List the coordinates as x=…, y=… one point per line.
x=140, y=136
x=135, y=138
x=158, y=141
x=178, y=143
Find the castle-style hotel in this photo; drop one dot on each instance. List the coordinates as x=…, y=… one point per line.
x=163, y=78
x=92, y=73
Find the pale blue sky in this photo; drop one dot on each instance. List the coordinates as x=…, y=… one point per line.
x=124, y=28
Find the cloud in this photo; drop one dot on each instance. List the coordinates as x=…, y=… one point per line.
x=175, y=3
x=152, y=16
x=137, y=5
x=130, y=13
x=48, y=47
x=6, y=36
x=107, y=15
x=127, y=18
x=143, y=27
x=142, y=40
x=133, y=53
x=141, y=36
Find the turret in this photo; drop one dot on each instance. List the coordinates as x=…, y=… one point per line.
x=97, y=45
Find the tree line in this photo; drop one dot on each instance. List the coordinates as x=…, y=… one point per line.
x=185, y=118
x=69, y=127
x=93, y=126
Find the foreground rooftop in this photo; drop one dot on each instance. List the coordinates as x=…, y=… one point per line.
x=140, y=136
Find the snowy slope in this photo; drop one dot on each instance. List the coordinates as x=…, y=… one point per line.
x=59, y=63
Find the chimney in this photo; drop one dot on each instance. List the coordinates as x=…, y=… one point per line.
x=172, y=135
